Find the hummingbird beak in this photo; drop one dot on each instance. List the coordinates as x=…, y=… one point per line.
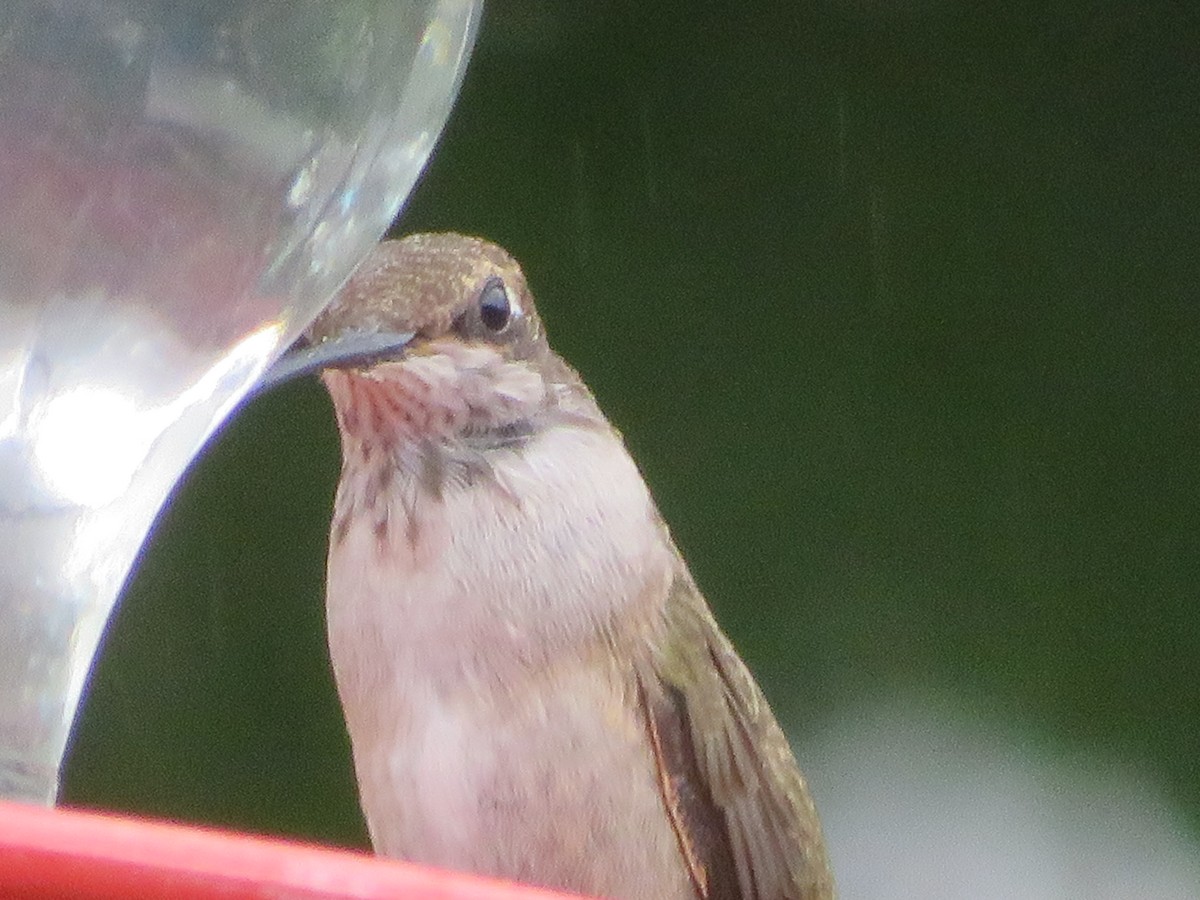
x=348, y=350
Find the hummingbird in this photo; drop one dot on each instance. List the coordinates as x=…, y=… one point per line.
x=533, y=685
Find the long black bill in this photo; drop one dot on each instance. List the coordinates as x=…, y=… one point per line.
x=353, y=349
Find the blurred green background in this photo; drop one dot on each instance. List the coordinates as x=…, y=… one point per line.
x=896, y=305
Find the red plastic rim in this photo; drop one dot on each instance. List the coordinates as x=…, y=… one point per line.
x=69, y=853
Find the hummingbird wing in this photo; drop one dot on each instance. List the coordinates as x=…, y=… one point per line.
x=746, y=823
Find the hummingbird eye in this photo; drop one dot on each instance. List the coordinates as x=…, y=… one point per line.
x=494, y=309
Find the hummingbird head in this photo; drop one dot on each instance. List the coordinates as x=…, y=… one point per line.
x=435, y=341
x=438, y=287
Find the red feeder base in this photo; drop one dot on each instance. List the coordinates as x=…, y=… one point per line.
x=60, y=853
